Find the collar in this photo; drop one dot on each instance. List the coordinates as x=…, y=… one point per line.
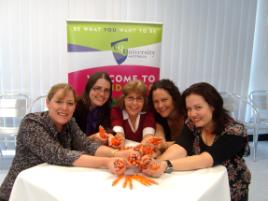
x=126, y=116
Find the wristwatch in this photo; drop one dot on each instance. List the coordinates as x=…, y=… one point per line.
x=169, y=168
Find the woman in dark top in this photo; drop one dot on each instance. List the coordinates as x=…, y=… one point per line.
x=165, y=102
x=94, y=106
x=210, y=137
x=53, y=137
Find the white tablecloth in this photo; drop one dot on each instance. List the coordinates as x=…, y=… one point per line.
x=56, y=183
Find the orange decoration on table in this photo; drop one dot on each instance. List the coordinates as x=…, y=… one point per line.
x=129, y=180
x=137, y=160
x=102, y=133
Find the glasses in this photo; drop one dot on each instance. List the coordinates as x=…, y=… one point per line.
x=138, y=99
x=101, y=90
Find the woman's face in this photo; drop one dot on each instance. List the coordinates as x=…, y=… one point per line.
x=133, y=103
x=199, y=111
x=163, y=102
x=100, y=92
x=61, y=109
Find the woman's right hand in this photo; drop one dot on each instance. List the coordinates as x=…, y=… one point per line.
x=97, y=137
x=116, y=142
x=117, y=166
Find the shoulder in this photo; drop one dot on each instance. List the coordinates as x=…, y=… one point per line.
x=116, y=109
x=189, y=125
x=37, y=117
x=36, y=121
x=147, y=113
x=234, y=128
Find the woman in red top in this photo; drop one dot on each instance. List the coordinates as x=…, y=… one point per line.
x=129, y=118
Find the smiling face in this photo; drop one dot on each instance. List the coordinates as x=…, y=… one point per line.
x=163, y=102
x=100, y=93
x=199, y=111
x=61, y=108
x=133, y=103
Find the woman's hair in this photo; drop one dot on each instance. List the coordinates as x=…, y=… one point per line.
x=172, y=90
x=66, y=88
x=90, y=83
x=136, y=86
x=220, y=116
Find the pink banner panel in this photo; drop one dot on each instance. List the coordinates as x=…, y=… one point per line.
x=119, y=74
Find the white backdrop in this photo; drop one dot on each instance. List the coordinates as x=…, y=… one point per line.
x=203, y=40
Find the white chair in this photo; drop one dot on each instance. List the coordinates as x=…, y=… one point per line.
x=38, y=104
x=259, y=99
x=13, y=108
x=242, y=110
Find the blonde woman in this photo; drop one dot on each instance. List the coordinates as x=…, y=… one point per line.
x=55, y=138
x=129, y=117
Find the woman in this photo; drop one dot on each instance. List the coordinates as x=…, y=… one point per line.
x=54, y=137
x=129, y=118
x=210, y=137
x=94, y=106
x=165, y=100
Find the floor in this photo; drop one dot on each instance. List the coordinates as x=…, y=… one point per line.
x=259, y=171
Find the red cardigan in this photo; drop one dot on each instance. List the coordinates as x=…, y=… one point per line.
x=146, y=120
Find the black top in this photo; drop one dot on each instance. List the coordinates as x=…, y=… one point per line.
x=90, y=120
x=164, y=123
x=227, y=149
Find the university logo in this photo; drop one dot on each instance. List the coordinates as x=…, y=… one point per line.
x=120, y=50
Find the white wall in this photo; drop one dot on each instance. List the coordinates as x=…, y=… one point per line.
x=203, y=40
x=259, y=68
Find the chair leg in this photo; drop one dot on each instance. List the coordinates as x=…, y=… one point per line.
x=255, y=143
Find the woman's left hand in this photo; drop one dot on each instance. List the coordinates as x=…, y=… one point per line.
x=152, y=167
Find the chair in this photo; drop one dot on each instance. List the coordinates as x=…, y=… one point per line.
x=38, y=104
x=13, y=108
x=242, y=110
x=259, y=99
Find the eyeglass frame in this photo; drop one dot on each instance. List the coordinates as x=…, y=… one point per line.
x=138, y=99
x=99, y=90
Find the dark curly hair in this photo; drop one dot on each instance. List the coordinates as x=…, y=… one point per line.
x=171, y=88
x=220, y=115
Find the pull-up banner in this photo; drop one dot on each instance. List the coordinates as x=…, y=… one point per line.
x=126, y=51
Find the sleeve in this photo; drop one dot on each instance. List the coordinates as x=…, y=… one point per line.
x=117, y=120
x=226, y=147
x=81, y=142
x=149, y=124
x=39, y=141
x=186, y=140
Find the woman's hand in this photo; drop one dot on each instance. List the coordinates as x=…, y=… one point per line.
x=157, y=142
x=96, y=137
x=117, y=166
x=133, y=160
x=116, y=142
x=152, y=167
x=126, y=153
